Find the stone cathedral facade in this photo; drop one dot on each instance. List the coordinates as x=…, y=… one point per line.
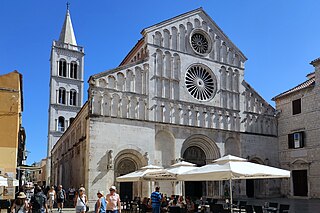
x=179, y=94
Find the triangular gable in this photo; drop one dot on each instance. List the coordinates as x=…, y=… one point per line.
x=117, y=69
x=186, y=15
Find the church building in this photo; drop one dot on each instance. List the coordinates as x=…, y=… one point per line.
x=180, y=93
x=66, y=85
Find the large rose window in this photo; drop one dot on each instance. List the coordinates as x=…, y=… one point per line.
x=200, y=82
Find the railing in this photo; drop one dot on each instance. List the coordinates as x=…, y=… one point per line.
x=68, y=46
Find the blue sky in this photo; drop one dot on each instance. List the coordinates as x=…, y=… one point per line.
x=279, y=38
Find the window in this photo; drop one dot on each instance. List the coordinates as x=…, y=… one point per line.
x=296, y=106
x=62, y=96
x=61, y=124
x=201, y=83
x=296, y=140
x=73, y=97
x=74, y=70
x=71, y=120
x=62, y=68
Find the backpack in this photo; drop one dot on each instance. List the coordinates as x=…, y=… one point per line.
x=37, y=201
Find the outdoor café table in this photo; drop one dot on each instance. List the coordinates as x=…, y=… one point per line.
x=270, y=209
x=204, y=208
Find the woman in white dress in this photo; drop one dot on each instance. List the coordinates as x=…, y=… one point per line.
x=51, y=196
x=20, y=204
x=81, y=201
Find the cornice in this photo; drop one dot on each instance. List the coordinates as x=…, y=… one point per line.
x=66, y=107
x=67, y=80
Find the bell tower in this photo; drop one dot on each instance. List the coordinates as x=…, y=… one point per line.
x=66, y=85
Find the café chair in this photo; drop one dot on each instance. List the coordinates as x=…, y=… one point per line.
x=258, y=209
x=249, y=209
x=284, y=208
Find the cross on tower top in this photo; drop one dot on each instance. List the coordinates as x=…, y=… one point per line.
x=68, y=4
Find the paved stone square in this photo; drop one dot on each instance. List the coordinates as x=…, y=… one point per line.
x=296, y=205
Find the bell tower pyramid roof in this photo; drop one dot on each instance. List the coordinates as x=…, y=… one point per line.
x=67, y=35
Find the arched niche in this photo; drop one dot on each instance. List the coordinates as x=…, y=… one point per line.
x=157, y=38
x=111, y=82
x=174, y=38
x=166, y=38
x=129, y=81
x=102, y=83
x=165, y=148
x=115, y=105
x=120, y=81
x=232, y=147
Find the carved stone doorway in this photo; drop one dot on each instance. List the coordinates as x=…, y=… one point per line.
x=126, y=189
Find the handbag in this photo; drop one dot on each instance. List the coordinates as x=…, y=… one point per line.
x=87, y=207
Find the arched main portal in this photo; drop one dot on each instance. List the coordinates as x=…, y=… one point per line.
x=194, y=154
x=200, y=150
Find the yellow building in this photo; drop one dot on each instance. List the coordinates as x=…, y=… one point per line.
x=12, y=135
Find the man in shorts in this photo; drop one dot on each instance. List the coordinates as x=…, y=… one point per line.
x=61, y=196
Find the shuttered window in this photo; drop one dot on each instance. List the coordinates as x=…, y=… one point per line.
x=296, y=140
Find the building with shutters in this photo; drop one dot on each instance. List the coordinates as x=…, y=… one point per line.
x=298, y=135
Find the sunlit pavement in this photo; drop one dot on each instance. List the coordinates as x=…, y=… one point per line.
x=296, y=205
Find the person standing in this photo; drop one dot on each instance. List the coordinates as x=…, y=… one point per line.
x=101, y=204
x=81, y=201
x=156, y=200
x=113, y=201
x=71, y=194
x=38, y=201
x=20, y=204
x=61, y=196
x=51, y=196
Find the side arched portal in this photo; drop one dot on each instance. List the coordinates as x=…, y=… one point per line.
x=127, y=161
x=256, y=188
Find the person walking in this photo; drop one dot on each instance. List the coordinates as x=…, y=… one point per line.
x=156, y=200
x=38, y=201
x=113, y=201
x=20, y=204
x=101, y=204
x=51, y=197
x=80, y=201
x=61, y=196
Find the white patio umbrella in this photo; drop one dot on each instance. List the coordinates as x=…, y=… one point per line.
x=3, y=181
x=13, y=182
x=142, y=174
x=146, y=173
x=232, y=168
x=180, y=168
